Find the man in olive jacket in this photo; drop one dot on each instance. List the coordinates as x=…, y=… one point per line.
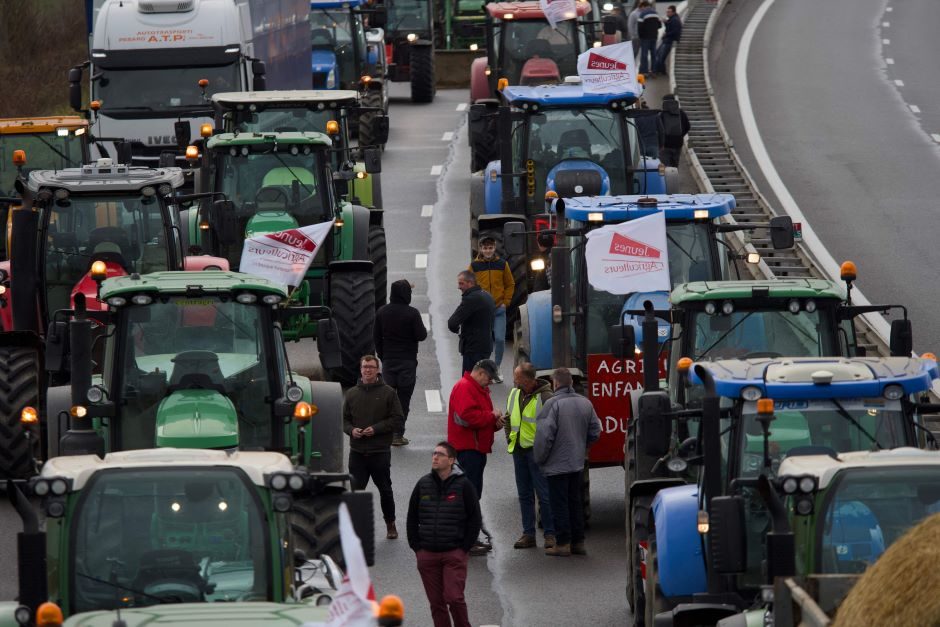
x=473, y=320
x=371, y=417
x=444, y=521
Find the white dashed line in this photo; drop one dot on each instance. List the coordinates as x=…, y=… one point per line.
x=899, y=83
x=436, y=170
x=886, y=42
x=885, y=24
x=449, y=135
x=421, y=260
x=936, y=138
x=433, y=399
x=889, y=61
x=427, y=211
x=889, y=9
x=462, y=106
x=426, y=319
x=914, y=108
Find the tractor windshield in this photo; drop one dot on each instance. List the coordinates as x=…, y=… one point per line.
x=868, y=509
x=128, y=233
x=522, y=40
x=136, y=91
x=769, y=333
x=408, y=16
x=170, y=535
x=278, y=120
x=44, y=151
x=338, y=32
x=198, y=343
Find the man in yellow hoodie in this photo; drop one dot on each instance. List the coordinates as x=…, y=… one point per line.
x=494, y=276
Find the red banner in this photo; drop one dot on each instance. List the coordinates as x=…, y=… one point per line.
x=609, y=383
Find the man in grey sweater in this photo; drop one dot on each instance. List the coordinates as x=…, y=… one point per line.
x=565, y=427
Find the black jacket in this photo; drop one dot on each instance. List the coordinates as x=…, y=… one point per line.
x=648, y=25
x=443, y=515
x=398, y=326
x=673, y=29
x=675, y=123
x=473, y=320
x=377, y=406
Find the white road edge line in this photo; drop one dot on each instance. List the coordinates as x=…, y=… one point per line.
x=421, y=260
x=886, y=24
x=449, y=135
x=462, y=106
x=825, y=260
x=935, y=137
x=436, y=170
x=886, y=42
x=889, y=61
x=427, y=211
x=889, y=9
x=433, y=400
x=426, y=319
x=914, y=108
x=899, y=83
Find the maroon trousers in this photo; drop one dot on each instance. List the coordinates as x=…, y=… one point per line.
x=444, y=576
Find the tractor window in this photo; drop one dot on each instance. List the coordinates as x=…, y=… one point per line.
x=198, y=343
x=157, y=89
x=746, y=334
x=525, y=39
x=298, y=119
x=336, y=33
x=408, y=16
x=868, y=510
x=44, y=151
x=691, y=249
x=127, y=233
x=169, y=535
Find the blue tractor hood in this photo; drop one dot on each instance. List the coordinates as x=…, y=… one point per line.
x=634, y=302
x=577, y=177
x=322, y=62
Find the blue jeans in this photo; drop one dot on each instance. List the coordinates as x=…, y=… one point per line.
x=473, y=463
x=531, y=482
x=499, y=334
x=661, y=54
x=647, y=55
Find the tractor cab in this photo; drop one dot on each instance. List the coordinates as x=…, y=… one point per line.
x=340, y=55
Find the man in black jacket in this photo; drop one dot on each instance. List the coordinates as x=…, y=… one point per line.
x=371, y=417
x=473, y=320
x=397, y=331
x=675, y=126
x=443, y=523
x=671, y=37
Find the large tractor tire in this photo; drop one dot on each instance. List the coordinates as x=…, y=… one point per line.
x=517, y=265
x=328, y=438
x=378, y=254
x=314, y=521
x=484, y=146
x=352, y=299
x=422, y=74
x=372, y=98
x=655, y=602
x=19, y=387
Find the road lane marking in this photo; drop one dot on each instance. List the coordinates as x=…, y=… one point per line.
x=889, y=9
x=462, y=106
x=889, y=61
x=433, y=400
x=421, y=260
x=886, y=42
x=427, y=211
x=899, y=83
x=426, y=319
x=885, y=24
x=436, y=170
x=914, y=108
x=935, y=137
x=449, y=135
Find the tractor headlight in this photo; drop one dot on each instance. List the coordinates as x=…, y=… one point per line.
x=279, y=482
x=810, y=306
x=22, y=615
x=893, y=392
x=246, y=298
x=790, y=485
x=711, y=308
x=727, y=308
x=751, y=393
x=411, y=37
x=794, y=306
x=807, y=485
x=294, y=393
x=117, y=301
x=41, y=488
x=58, y=486
x=296, y=482
x=141, y=299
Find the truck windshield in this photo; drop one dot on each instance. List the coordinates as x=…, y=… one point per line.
x=44, y=151
x=522, y=40
x=201, y=343
x=128, y=233
x=408, y=15
x=745, y=334
x=339, y=32
x=141, y=90
x=170, y=535
x=868, y=509
x=841, y=426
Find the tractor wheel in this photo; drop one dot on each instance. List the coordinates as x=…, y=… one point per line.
x=484, y=146
x=422, y=74
x=19, y=387
x=654, y=595
x=379, y=257
x=352, y=299
x=639, y=533
x=314, y=521
x=372, y=98
x=517, y=264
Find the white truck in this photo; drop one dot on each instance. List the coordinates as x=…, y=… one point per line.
x=155, y=63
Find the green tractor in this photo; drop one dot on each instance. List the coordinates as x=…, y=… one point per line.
x=170, y=535
x=281, y=180
x=464, y=24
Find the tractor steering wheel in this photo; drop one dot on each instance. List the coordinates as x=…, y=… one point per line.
x=271, y=194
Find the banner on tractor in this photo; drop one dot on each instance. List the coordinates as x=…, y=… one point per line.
x=608, y=69
x=285, y=256
x=558, y=10
x=630, y=256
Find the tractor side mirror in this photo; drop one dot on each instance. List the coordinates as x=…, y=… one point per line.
x=514, y=238
x=727, y=534
x=372, y=157
x=654, y=427
x=340, y=186
x=57, y=342
x=258, y=70
x=183, y=133
x=781, y=232
x=902, y=340
x=328, y=344
x=622, y=339
x=226, y=222
x=610, y=24
x=75, y=88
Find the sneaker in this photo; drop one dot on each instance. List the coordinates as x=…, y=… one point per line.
x=559, y=550
x=525, y=542
x=549, y=540
x=391, y=531
x=498, y=378
x=480, y=549
x=577, y=548
x=400, y=440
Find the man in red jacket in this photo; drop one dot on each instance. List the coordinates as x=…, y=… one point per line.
x=471, y=423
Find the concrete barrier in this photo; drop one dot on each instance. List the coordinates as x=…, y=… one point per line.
x=452, y=67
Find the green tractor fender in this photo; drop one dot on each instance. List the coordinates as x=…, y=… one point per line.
x=325, y=437
x=354, y=234
x=197, y=418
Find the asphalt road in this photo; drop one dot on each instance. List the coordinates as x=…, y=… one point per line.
x=845, y=97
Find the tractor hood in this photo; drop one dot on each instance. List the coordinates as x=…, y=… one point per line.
x=199, y=614
x=269, y=222
x=322, y=60
x=197, y=419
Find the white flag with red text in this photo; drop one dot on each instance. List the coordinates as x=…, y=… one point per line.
x=558, y=10
x=608, y=69
x=353, y=605
x=285, y=256
x=630, y=256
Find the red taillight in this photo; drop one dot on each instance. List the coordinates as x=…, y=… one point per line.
x=542, y=224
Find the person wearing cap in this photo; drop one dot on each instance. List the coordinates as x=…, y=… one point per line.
x=495, y=277
x=471, y=424
x=473, y=321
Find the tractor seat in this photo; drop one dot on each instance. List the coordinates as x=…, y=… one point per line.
x=114, y=235
x=108, y=251
x=537, y=48
x=574, y=139
x=322, y=38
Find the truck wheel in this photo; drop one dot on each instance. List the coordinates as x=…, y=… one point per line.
x=352, y=299
x=372, y=98
x=517, y=265
x=378, y=254
x=422, y=74
x=19, y=387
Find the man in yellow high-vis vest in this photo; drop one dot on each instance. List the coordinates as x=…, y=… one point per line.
x=525, y=401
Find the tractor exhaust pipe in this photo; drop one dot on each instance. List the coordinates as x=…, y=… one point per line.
x=650, y=328
x=81, y=438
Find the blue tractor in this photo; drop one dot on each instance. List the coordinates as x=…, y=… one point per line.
x=702, y=559
x=347, y=54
